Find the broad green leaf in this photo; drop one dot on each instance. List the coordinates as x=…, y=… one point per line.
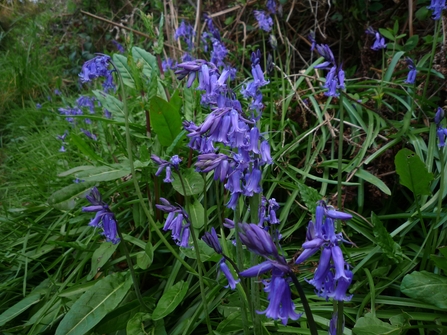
x=196, y=214
x=19, y=307
x=370, y=325
x=384, y=240
x=135, y=326
x=100, y=257
x=76, y=291
x=104, y=173
x=146, y=257
x=176, y=101
x=148, y=60
x=192, y=180
x=65, y=198
x=205, y=251
x=165, y=120
x=440, y=262
x=75, y=169
x=170, y=300
x=120, y=62
x=427, y=287
x=413, y=172
x=94, y=304
x=117, y=319
x=386, y=33
x=84, y=147
x=112, y=104
x=231, y=323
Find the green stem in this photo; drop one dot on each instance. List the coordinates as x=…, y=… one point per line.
x=340, y=305
x=307, y=310
x=432, y=56
x=131, y=269
x=372, y=291
x=199, y=261
x=135, y=182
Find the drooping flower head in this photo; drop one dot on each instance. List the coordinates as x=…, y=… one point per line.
x=379, y=41
x=264, y=20
x=411, y=78
x=332, y=277
x=174, y=163
x=335, y=78
x=177, y=222
x=96, y=67
x=437, y=6
x=187, y=32
x=104, y=219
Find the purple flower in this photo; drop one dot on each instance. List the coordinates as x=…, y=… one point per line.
x=258, y=241
x=411, y=78
x=57, y=92
x=62, y=149
x=332, y=277
x=212, y=240
x=264, y=20
x=226, y=271
x=63, y=136
x=89, y=134
x=107, y=114
x=281, y=306
x=439, y=116
x=271, y=6
x=85, y=101
x=379, y=42
x=186, y=31
x=333, y=324
x=175, y=222
x=38, y=106
x=118, y=46
x=168, y=64
x=104, y=219
x=95, y=68
x=441, y=133
x=174, y=162
x=437, y=6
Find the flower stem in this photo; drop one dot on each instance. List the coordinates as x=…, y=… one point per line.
x=135, y=181
x=307, y=310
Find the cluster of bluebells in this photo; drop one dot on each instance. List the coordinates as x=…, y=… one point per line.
x=264, y=18
x=335, y=78
x=62, y=138
x=441, y=132
x=332, y=276
x=411, y=77
x=98, y=67
x=91, y=70
x=104, y=218
x=437, y=6
x=227, y=127
x=185, y=32
x=212, y=36
x=379, y=40
x=177, y=222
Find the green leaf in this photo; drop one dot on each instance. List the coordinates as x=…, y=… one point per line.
x=205, y=252
x=135, y=326
x=74, y=170
x=112, y=104
x=146, y=257
x=427, y=287
x=411, y=43
x=370, y=178
x=84, y=147
x=310, y=196
x=188, y=103
x=104, y=173
x=148, y=60
x=19, y=307
x=384, y=240
x=65, y=198
x=393, y=63
x=231, y=323
x=412, y=172
x=100, y=257
x=193, y=183
x=370, y=325
x=170, y=300
x=176, y=101
x=120, y=62
x=440, y=262
x=94, y=304
x=196, y=214
x=386, y=33
x=165, y=120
